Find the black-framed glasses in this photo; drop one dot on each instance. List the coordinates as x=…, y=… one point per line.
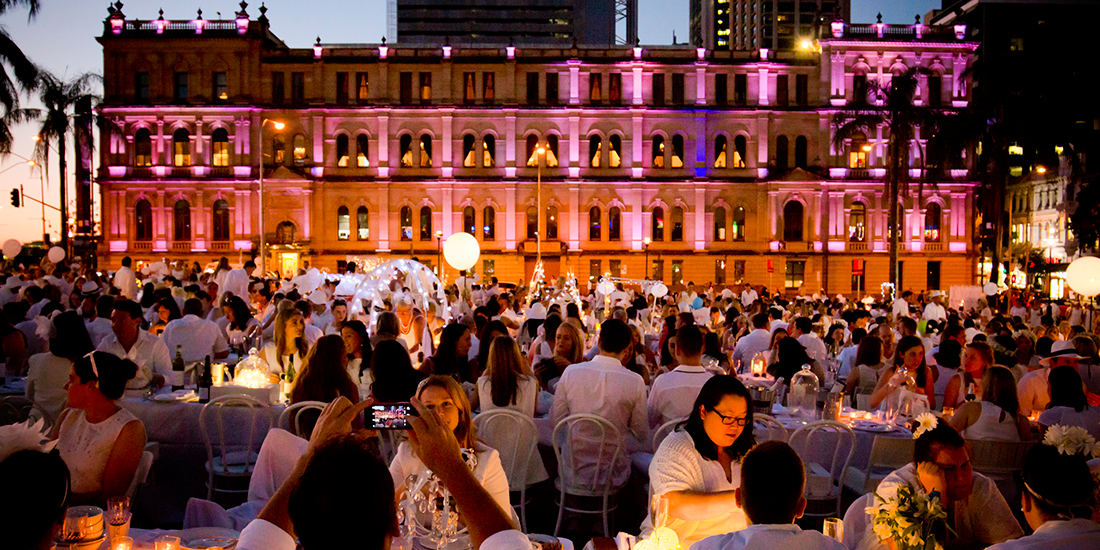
x=730, y=421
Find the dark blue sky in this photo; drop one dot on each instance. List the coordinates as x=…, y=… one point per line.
x=62, y=39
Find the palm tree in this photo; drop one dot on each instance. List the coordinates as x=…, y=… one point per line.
x=892, y=106
x=25, y=74
x=59, y=99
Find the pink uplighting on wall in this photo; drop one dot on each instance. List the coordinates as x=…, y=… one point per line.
x=957, y=246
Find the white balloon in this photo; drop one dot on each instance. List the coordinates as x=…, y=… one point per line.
x=658, y=290
x=461, y=251
x=56, y=254
x=606, y=287
x=1083, y=276
x=12, y=248
x=990, y=288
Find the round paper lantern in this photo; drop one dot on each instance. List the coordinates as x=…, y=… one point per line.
x=56, y=254
x=990, y=288
x=1083, y=276
x=461, y=251
x=12, y=248
x=606, y=287
x=658, y=290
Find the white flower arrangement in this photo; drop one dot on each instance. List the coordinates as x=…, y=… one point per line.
x=925, y=421
x=905, y=515
x=24, y=436
x=1071, y=440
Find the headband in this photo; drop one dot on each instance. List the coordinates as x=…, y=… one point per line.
x=95, y=370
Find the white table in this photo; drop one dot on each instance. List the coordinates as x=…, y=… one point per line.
x=144, y=539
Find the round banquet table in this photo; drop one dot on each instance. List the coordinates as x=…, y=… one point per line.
x=824, y=443
x=144, y=539
x=178, y=472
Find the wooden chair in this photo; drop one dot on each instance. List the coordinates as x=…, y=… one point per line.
x=591, y=432
x=234, y=459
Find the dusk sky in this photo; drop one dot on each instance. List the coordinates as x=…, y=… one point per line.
x=62, y=39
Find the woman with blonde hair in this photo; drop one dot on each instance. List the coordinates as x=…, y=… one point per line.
x=286, y=355
x=445, y=396
x=568, y=350
x=507, y=383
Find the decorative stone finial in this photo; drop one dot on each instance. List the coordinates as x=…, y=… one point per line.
x=200, y=14
x=263, y=13
x=916, y=19
x=243, y=14
x=879, y=17
x=383, y=40
x=160, y=15
x=318, y=40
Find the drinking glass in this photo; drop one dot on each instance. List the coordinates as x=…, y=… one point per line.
x=834, y=528
x=167, y=543
x=122, y=543
x=948, y=412
x=75, y=526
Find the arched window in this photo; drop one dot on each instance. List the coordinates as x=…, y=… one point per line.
x=221, y=220
x=363, y=157
x=720, y=152
x=181, y=220
x=181, y=148
x=782, y=153
x=792, y=221
x=489, y=223
x=719, y=223
x=299, y=150
x=615, y=153
x=800, y=151
x=657, y=224
x=469, y=153
x=489, y=159
x=594, y=228
x=362, y=223
x=342, y=146
x=551, y=222
x=278, y=148
x=677, y=224
x=143, y=220
x=932, y=223
x=857, y=223
x=532, y=222
x=532, y=150
x=406, y=151
x=343, y=223
x=221, y=147
x=658, y=151
x=595, y=151
x=740, y=145
x=143, y=148
x=425, y=223
x=406, y=223
x=551, y=151
x=286, y=233
x=425, y=151
x=677, y=160
x=614, y=224
x=738, y=224
x=469, y=221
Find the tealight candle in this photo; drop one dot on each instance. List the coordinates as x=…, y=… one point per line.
x=167, y=543
x=122, y=543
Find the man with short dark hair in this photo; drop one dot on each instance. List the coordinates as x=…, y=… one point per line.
x=684, y=319
x=772, y=481
x=605, y=388
x=148, y=352
x=803, y=331
x=126, y=280
x=99, y=325
x=196, y=337
x=674, y=392
x=749, y=345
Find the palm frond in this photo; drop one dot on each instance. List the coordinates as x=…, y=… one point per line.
x=32, y=7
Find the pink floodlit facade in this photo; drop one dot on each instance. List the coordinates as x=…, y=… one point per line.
x=725, y=160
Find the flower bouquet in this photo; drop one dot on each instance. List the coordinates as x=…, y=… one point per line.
x=907, y=516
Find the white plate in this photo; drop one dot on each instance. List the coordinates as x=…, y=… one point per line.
x=204, y=537
x=869, y=426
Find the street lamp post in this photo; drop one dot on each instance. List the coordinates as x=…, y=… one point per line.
x=263, y=215
x=438, y=254
x=646, y=241
x=539, y=152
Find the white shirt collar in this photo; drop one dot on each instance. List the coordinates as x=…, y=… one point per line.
x=690, y=368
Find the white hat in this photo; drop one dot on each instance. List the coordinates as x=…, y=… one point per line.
x=13, y=282
x=317, y=298
x=536, y=311
x=937, y=294
x=88, y=289
x=1061, y=345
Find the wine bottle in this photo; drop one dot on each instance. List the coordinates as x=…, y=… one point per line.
x=177, y=369
x=206, y=380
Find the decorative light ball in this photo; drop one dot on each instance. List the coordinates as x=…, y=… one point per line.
x=12, y=248
x=1083, y=276
x=461, y=251
x=606, y=287
x=990, y=288
x=56, y=254
x=658, y=290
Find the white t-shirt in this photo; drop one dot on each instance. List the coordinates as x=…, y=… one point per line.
x=673, y=394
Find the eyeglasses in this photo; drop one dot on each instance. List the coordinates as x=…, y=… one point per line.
x=730, y=421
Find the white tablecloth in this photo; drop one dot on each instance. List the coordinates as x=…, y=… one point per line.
x=144, y=539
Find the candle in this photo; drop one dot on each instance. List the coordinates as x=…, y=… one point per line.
x=122, y=543
x=167, y=543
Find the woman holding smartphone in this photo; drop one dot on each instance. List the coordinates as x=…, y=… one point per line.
x=443, y=395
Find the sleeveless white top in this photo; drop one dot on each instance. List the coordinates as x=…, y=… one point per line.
x=868, y=378
x=85, y=447
x=990, y=427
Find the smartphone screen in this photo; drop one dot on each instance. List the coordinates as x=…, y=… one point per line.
x=390, y=416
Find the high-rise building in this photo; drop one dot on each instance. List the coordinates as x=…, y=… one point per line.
x=548, y=22
x=756, y=24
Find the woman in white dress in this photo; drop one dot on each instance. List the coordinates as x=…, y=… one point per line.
x=49, y=372
x=1068, y=405
x=239, y=321
x=977, y=358
x=359, y=349
x=909, y=371
x=287, y=353
x=1057, y=490
x=997, y=416
x=864, y=377
x=509, y=384
x=100, y=441
x=443, y=395
x=697, y=467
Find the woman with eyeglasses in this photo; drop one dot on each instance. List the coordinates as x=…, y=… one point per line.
x=698, y=465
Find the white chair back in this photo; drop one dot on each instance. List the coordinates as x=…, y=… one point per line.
x=998, y=458
x=513, y=435
x=291, y=419
x=591, y=436
x=821, y=446
x=141, y=475
x=248, y=412
x=887, y=454
x=16, y=408
x=767, y=428
x=662, y=432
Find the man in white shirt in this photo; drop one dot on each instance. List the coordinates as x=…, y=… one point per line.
x=1018, y=310
x=198, y=337
x=673, y=393
x=236, y=281
x=803, y=332
x=126, y=280
x=749, y=345
x=148, y=352
x=311, y=333
x=772, y=481
x=321, y=314
x=605, y=388
x=847, y=356
x=308, y=505
x=776, y=321
x=99, y=322
x=935, y=310
x=748, y=296
x=619, y=297
x=901, y=305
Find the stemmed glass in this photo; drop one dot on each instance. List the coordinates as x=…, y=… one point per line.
x=117, y=515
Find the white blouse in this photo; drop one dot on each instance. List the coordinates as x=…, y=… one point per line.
x=990, y=426
x=86, y=447
x=269, y=354
x=525, y=395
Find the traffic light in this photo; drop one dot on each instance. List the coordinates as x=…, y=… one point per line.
x=15, y=198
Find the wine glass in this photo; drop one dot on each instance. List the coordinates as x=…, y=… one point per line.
x=834, y=528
